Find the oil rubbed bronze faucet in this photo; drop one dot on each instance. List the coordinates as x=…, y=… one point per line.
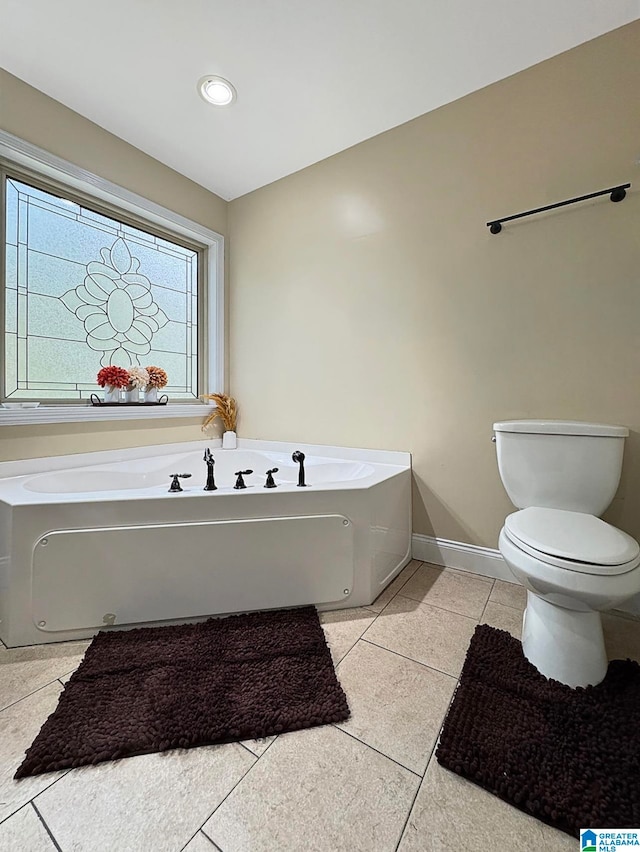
x=210, y=462
x=298, y=458
x=240, y=480
x=271, y=483
x=175, y=484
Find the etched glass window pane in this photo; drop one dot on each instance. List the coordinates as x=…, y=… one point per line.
x=83, y=291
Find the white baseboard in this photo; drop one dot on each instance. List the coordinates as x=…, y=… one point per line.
x=486, y=561
x=467, y=557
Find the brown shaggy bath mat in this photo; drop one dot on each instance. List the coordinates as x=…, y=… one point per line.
x=157, y=688
x=570, y=757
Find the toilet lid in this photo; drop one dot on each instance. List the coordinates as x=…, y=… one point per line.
x=572, y=537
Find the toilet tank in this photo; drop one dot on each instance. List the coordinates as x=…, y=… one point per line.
x=560, y=464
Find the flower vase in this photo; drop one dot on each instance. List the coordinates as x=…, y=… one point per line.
x=151, y=395
x=133, y=395
x=111, y=393
x=229, y=440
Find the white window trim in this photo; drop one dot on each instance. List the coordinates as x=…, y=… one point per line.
x=48, y=165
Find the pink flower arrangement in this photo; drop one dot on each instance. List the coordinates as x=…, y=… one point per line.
x=116, y=377
x=138, y=378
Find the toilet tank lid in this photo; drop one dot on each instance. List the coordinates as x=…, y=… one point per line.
x=561, y=427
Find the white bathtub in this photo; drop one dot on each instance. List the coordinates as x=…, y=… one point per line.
x=97, y=540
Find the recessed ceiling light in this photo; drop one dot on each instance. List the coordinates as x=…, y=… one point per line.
x=216, y=90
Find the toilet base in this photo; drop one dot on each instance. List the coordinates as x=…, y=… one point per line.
x=564, y=644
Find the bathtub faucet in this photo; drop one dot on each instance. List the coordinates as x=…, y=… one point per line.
x=210, y=462
x=175, y=485
x=298, y=457
x=271, y=483
x=240, y=480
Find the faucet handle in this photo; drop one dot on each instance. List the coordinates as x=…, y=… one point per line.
x=240, y=480
x=175, y=485
x=270, y=483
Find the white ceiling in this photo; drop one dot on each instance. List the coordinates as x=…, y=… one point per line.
x=313, y=76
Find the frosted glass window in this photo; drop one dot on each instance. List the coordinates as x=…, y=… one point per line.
x=83, y=290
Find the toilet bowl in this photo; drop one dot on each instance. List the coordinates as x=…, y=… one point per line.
x=562, y=475
x=562, y=631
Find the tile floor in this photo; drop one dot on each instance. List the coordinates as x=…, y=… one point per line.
x=370, y=784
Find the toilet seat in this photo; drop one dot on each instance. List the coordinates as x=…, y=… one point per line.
x=572, y=540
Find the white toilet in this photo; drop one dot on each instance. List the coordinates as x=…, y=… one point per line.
x=562, y=475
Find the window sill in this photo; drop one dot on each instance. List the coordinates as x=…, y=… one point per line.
x=94, y=414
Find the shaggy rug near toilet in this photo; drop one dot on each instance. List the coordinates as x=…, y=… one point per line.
x=158, y=688
x=570, y=757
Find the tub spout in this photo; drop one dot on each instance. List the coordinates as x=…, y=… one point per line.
x=298, y=458
x=210, y=462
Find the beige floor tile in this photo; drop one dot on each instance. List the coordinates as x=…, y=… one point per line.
x=504, y=618
x=201, y=843
x=621, y=636
x=428, y=634
x=23, y=832
x=456, y=591
x=343, y=628
x=23, y=670
x=452, y=815
x=259, y=746
x=394, y=587
x=19, y=726
x=509, y=594
x=319, y=791
x=151, y=803
x=397, y=705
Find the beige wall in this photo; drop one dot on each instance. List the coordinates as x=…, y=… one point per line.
x=31, y=115
x=370, y=306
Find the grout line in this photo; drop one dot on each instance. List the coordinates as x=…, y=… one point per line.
x=484, y=609
x=437, y=606
x=507, y=606
x=411, y=806
x=504, y=606
x=258, y=756
x=46, y=827
x=411, y=659
x=239, y=781
x=431, y=756
x=35, y=796
x=13, y=813
x=29, y=694
x=345, y=655
x=377, y=751
x=214, y=848
x=464, y=571
x=415, y=570
x=247, y=749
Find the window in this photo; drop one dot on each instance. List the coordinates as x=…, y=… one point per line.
x=86, y=282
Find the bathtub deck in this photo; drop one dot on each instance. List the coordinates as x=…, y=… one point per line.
x=370, y=784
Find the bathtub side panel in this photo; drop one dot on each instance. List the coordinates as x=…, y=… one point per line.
x=5, y=569
x=146, y=573
x=357, y=539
